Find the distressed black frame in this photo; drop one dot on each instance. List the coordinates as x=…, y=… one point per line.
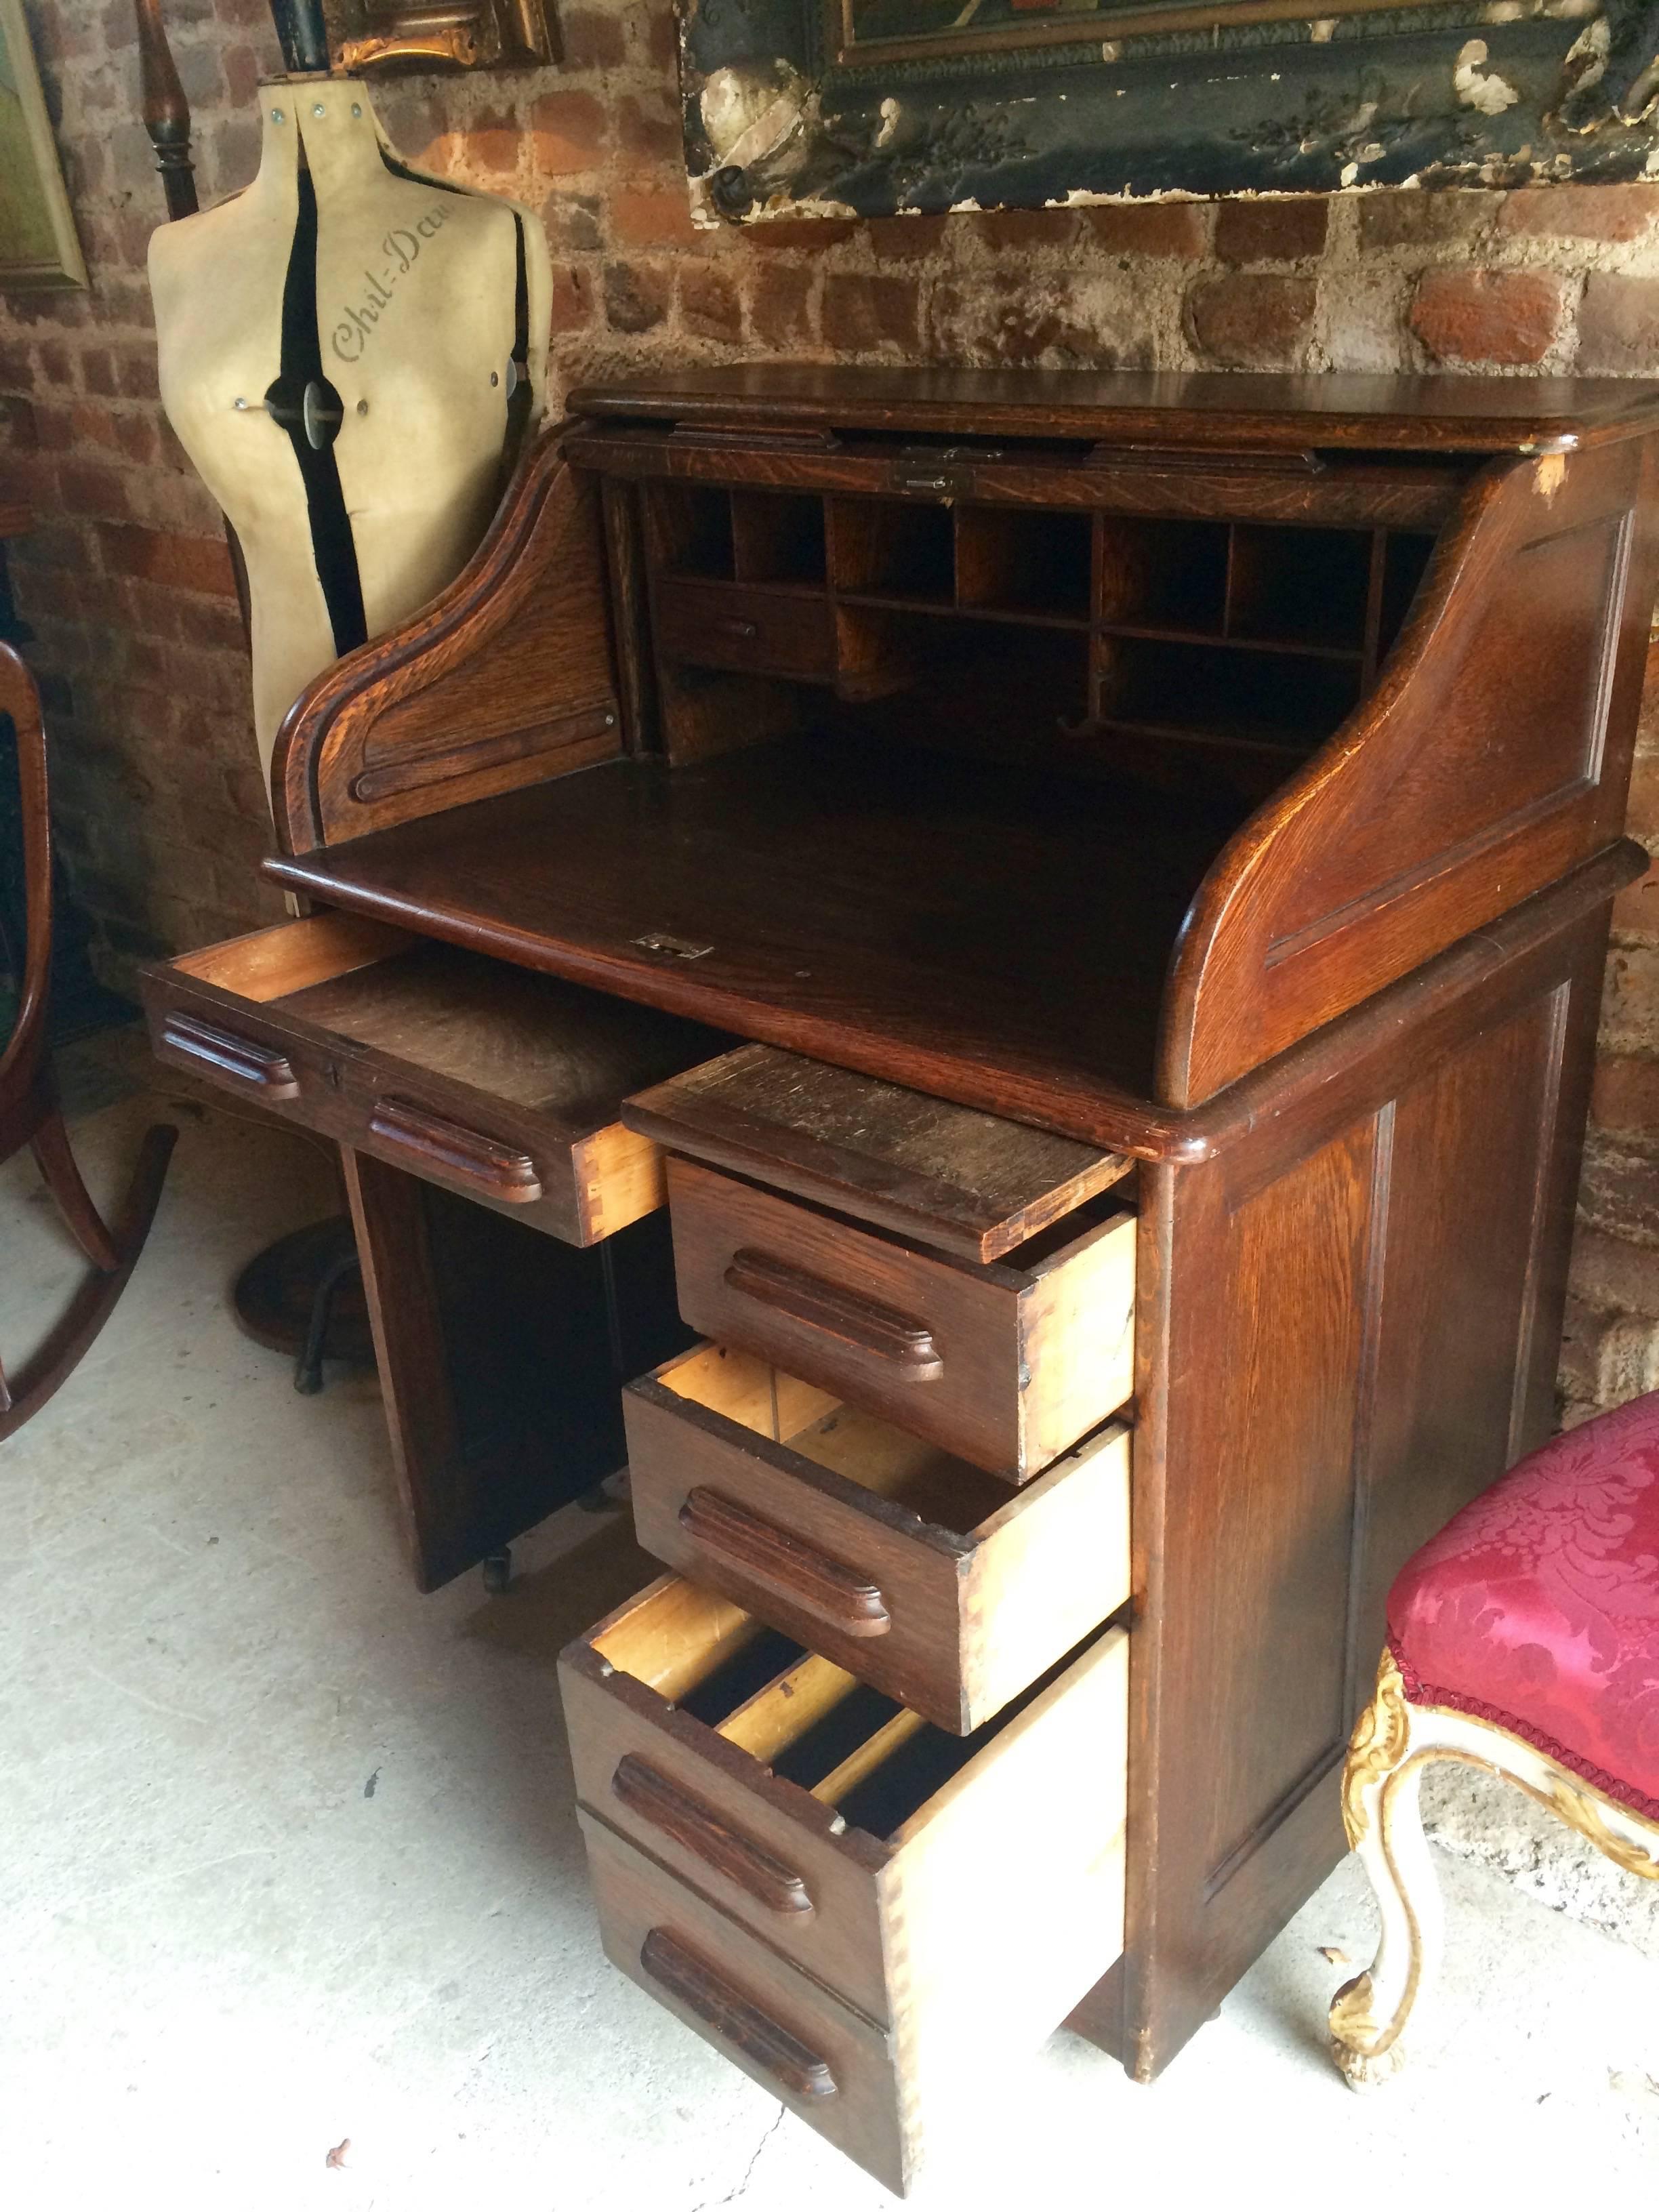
x=783, y=119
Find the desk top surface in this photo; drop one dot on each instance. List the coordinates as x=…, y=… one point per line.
x=1407, y=414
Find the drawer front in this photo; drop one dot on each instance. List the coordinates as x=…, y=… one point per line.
x=578, y=1188
x=737, y=626
x=952, y=1625
x=767, y=1853
x=1005, y=1369
x=830, y=2066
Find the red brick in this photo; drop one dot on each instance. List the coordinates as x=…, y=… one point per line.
x=1270, y=230
x=1026, y=228
x=91, y=488
x=1506, y=317
x=1636, y=909
x=1619, y=326
x=864, y=314
x=1012, y=319
x=591, y=39
x=94, y=426
x=635, y=298
x=1608, y=214
x=654, y=218
x=1420, y=218
x=568, y=132
x=193, y=564
x=904, y=237
x=709, y=306
x=649, y=132
x=1254, y=322
x=780, y=304
x=98, y=371
x=495, y=141
x=1170, y=230
x=572, y=303
x=243, y=70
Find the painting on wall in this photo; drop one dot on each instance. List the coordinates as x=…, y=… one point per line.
x=39, y=250
x=869, y=107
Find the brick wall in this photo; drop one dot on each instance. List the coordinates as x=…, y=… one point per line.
x=125, y=582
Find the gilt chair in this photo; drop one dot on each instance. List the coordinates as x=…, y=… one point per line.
x=1523, y=1639
x=29, y=1110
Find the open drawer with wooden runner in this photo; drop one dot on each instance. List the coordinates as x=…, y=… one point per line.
x=930, y=1579
x=498, y=1082
x=925, y=1904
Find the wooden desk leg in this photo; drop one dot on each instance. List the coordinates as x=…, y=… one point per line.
x=502, y=1353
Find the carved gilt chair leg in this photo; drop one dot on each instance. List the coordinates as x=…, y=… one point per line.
x=1380, y=1807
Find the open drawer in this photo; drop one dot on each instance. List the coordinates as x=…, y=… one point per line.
x=928, y=1578
x=494, y=1081
x=1006, y=1363
x=962, y=1893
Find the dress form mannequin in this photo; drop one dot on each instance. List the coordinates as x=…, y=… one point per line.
x=348, y=352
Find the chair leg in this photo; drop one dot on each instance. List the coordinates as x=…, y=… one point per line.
x=50, y=1145
x=1380, y=1793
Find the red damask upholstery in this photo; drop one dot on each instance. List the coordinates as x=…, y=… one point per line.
x=1538, y=1606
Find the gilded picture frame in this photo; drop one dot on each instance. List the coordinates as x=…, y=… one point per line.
x=38, y=249
x=873, y=107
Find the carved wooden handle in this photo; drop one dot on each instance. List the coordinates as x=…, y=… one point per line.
x=739, y=2018
x=810, y=1580
x=708, y=1836
x=260, y=1065
x=495, y=1169
x=904, y=1344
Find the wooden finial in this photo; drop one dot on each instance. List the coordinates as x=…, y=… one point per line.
x=166, y=112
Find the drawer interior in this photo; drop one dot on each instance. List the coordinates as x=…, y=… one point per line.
x=918, y=1477
x=882, y=1769
x=534, y=1040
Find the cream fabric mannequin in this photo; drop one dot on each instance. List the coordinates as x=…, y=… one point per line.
x=423, y=295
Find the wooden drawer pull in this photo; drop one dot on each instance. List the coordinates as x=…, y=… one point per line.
x=903, y=1343
x=707, y=1835
x=737, y=2018
x=249, y=1061
x=832, y=1592
x=496, y=1170
x=734, y=627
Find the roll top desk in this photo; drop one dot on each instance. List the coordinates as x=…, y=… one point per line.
x=1086, y=896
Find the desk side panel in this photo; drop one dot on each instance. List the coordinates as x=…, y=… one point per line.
x=1493, y=756
x=1348, y=1332
x=503, y=680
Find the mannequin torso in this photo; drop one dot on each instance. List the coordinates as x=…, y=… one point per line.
x=415, y=316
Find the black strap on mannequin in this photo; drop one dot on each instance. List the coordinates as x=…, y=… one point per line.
x=301, y=35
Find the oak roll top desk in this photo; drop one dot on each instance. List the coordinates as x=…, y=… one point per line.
x=1088, y=895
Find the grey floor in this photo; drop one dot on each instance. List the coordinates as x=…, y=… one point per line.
x=288, y=1857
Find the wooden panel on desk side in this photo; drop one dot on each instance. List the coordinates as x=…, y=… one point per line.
x=1347, y=1317
x=1492, y=758
x=503, y=680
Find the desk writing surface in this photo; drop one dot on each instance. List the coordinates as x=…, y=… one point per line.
x=955, y=925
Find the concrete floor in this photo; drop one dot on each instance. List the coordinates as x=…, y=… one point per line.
x=287, y=1855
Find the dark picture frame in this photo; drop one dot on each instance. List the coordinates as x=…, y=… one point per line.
x=872, y=107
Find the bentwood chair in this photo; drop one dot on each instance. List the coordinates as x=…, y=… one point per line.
x=29, y=1110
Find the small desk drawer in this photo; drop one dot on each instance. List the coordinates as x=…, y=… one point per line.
x=764, y=633
x=1005, y=1364
x=923, y=1576
x=821, y=2058
x=491, y=1080
x=955, y=1890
